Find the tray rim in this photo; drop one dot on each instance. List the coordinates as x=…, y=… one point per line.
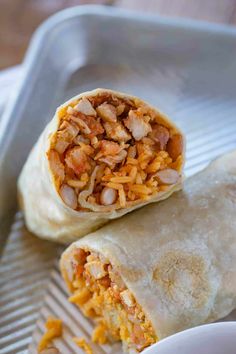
x=53, y=21
x=102, y=10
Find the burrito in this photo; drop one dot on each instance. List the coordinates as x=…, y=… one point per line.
x=103, y=155
x=164, y=268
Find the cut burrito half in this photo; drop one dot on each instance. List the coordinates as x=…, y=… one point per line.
x=103, y=155
x=164, y=268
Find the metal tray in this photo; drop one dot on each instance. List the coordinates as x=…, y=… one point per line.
x=187, y=69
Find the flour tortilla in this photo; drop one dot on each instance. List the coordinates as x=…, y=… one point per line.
x=177, y=257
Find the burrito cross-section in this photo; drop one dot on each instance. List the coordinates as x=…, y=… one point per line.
x=104, y=154
x=164, y=268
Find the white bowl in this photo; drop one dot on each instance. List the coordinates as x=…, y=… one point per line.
x=215, y=338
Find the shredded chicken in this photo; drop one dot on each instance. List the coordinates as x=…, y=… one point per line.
x=65, y=136
x=108, y=148
x=136, y=154
x=56, y=165
x=116, y=131
x=85, y=107
x=107, y=112
x=94, y=125
x=112, y=160
x=77, y=160
x=137, y=125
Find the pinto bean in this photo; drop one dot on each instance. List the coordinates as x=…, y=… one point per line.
x=175, y=146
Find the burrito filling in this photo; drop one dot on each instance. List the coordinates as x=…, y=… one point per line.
x=111, y=153
x=99, y=291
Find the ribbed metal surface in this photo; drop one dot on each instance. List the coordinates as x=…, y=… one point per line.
x=74, y=323
x=197, y=94
x=24, y=270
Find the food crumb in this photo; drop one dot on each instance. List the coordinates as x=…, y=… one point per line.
x=99, y=334
x=53, y=330
x=81, y=342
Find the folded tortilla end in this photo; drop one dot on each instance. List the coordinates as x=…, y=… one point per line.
x=99, y=291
